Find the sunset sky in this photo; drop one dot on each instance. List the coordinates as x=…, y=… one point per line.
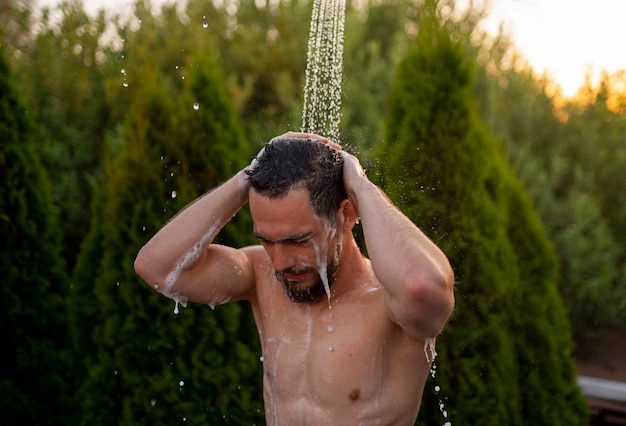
x=562, y=37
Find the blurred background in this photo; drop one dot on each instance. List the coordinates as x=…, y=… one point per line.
x=115, y=115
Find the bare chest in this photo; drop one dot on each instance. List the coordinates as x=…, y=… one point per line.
x=349, y=359
x=323, y=356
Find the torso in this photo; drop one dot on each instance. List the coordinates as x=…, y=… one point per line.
x=343, y=363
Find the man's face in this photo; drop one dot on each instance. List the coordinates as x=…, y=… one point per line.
x=302, y=246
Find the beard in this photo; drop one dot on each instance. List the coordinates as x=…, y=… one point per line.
x=299, y=292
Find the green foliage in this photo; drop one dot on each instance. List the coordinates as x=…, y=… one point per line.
x=264, y=60
x=63, y=81
x=509, y=334
x=112, y=97
x=34, y=374
x=571, y=159
x=146, y=365
x=369, y=61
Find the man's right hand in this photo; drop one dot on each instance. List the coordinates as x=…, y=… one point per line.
x=313, y=136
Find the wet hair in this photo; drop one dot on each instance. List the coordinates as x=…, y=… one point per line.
x=290, y=163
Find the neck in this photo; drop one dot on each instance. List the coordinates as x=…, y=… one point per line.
x=352, y=264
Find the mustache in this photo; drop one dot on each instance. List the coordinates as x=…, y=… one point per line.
x=294, y=270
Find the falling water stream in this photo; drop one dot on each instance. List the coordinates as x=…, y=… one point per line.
x=322, y=104
x=322, y=89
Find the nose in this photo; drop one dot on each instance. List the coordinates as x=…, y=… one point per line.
x=281, y=257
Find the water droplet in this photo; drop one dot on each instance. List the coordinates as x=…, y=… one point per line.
x=153, y=402
x=174, y=194
x=125, y=84
x=429, y=350
x=196, y=106
x=330, y=349
x=437, y=388
x=123, y=71
x=330, y=328
x=181, y=383
x=205, y=25
x=261, y=359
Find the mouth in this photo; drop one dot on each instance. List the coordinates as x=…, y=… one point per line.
x=294, y=277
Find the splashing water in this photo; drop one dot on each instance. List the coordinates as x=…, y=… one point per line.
x=185, y=262
x=322, y=90
x=431, y=354
x=429, y=350
x=320, y=257
x=322, y=270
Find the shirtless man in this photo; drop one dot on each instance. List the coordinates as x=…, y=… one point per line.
x=345, y=339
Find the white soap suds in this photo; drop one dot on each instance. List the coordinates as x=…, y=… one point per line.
x=429, y=349
x=188, y=259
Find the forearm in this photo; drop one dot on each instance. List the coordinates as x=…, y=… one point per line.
x=191, y=230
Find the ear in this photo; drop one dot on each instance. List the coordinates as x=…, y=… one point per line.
x=350, y=214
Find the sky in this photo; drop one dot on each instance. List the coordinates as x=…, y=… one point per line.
x=565, y=38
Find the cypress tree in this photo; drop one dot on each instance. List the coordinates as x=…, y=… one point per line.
x=145, y=364
x=509, y=335
x=34, y=384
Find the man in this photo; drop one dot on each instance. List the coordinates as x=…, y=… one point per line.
x=344, y=338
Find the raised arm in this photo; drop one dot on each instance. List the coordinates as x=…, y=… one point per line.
x=415, y=273
x=180, y=261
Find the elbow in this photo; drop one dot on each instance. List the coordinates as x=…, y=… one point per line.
x=428, y=304
x=434, y=296
x=143, y=267
x=446, y=290
x=140, y=265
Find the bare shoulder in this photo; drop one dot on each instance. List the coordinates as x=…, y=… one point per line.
x=256, y=253
x=373, y=295
x=260, y=262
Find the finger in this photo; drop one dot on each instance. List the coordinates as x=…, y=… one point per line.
x=313, y=136
x=322, y=139
x=334, y=144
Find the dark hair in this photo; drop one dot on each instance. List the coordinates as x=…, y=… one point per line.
x=289, y=163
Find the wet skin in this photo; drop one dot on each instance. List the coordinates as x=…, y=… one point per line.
x=356, y=359
x=338, y=363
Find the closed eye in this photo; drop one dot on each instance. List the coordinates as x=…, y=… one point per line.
x=263, y=241
x=299, y=239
